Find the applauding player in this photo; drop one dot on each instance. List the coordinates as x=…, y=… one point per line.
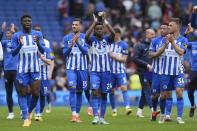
x=100, y=75
x=26, y=43
x=75, y=50
x=118, y=54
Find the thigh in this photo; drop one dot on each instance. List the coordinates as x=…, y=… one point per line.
x=72, y=78
x=95, y=80
x=122, y=79
x=23, y=79
x=166, y=81
x=156, y=82
x=144, y=82
x=106, y=85
x=179, y=81
x=82, y=80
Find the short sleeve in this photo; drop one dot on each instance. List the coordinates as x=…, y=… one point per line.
x=184, y=44
x=125, y=49
x=50, y=54
x=14, y=40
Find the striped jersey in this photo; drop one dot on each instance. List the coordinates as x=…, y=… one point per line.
x=76, y=59
x=173, y=62
x=118, y=49
x=28, y=59
x=48, y=54
x=99, y=54
x=158, y=61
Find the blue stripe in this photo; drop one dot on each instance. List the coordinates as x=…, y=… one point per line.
x=29, y=62
x=175, y=62
x=95, y=62
x=23, y=66
x=170, y=65
x=91, y=61
x=105, y=62
x=164, y=65
x=100, y=63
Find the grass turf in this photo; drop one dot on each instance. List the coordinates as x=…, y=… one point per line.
x=59, y=119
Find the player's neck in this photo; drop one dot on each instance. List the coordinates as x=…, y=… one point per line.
x=27, y=31
x=176, y=34
x=76, y=33
x=99, y=38
x=117, y=40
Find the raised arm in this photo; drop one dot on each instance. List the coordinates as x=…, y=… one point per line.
x=38, y=39
x=88, y=33
x=193, y=18
x=110, y=29
x=2, y=30
x=1, y=52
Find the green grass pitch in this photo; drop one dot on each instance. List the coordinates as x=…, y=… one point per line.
x=59, y=120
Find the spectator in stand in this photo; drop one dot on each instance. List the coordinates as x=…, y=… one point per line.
x=62, y=8
x=154, y=11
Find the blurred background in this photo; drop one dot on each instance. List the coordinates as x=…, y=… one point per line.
x=131, y=16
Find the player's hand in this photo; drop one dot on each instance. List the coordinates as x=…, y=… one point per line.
x=195, y=9
x=189, y=29
x=77, y=37
x=104, y=16
x=95, y=18
x=171, y=38
x=167, y=40
x=3, y=27
x=21, y=41
x=149, y=67
x=36, y=39
x=12, y=27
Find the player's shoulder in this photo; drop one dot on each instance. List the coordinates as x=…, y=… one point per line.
x=17, y=34
x=35, y=32
x=124, y=44
x=68, y=36
x=82, y=35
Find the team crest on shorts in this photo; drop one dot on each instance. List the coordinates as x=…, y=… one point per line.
x=165, y=87
x=20, y=81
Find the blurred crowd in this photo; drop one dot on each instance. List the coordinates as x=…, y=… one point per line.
x=133, y=17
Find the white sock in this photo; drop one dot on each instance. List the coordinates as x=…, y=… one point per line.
x=90, y=107
x=74, y=113
x=139, y=110
x=114, y=110
x=96, y=117
x=127, y=107
x=152, y=109
x=77, y=114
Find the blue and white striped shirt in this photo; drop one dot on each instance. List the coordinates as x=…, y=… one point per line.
x=77, y=56
x=99, y=54
x=44, y=68
x=173, y=62
x=118, y=50
x=157, y=62
x=28, y=60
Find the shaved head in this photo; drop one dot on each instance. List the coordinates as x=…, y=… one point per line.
x=149, y=34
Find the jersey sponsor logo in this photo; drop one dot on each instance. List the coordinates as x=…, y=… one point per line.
x=51, y=54
x=185, y=45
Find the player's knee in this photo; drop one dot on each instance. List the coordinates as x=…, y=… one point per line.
x=95, y=93
x=179, y=93
x=104, y=96
x=163, y=95
x=169, y=94
x=113, y=90
x=155, y=96
x=124, y=88
x=23, y=91
x=79, y=91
